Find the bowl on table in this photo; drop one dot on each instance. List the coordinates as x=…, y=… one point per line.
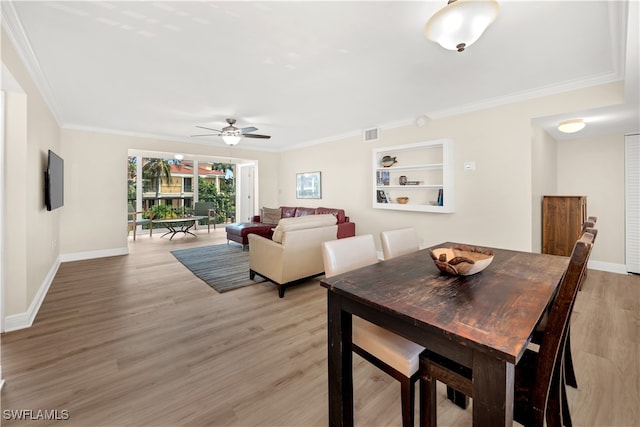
x=461, y=260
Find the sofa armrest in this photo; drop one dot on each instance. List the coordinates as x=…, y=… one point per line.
x=266, y=257
x=346, y=229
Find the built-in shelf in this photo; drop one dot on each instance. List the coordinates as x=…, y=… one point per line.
x=428, y=163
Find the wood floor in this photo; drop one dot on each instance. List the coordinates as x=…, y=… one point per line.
x=138, y=340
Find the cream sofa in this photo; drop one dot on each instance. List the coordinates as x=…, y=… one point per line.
x=293, y=254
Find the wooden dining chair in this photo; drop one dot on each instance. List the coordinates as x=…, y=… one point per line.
x=589, y=223
x=570, y=375
x=399, y=242
x=389, y=352
x=537, y=375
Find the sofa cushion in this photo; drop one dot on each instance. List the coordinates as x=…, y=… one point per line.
x=305, y=211
x=339, y=213
x=270, y=215
x=288, y=211
x=300, y=223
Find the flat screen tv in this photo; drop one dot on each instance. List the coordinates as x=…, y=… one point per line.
x=54, y=182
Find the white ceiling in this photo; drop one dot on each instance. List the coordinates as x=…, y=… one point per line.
x=306, y=72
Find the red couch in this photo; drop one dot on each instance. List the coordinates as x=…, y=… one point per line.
x=238, y=232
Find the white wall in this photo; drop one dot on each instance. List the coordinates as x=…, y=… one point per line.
x=33, y=260
x=495, y=204
x=595, y=167
x=544, y=161
x=95, y=216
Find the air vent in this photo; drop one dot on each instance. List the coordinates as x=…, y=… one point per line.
x=371, y=134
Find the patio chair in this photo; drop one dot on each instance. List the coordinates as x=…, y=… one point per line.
x=133, y=221
x=206, y=209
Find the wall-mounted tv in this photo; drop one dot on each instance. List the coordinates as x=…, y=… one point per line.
x=54, y=182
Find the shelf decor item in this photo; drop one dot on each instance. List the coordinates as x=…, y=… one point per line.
x=423, y=176
x=461, y=260
x=387, y=161
x=402, y=200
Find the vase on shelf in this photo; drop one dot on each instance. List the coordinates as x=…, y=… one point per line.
x=402, y=180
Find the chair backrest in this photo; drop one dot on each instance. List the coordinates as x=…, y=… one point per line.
x=554, y=333
x=347, y=254
x=202, y=208
x=589, y=223
x=399, y=242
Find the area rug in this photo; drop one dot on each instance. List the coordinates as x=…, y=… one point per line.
x=223, y=267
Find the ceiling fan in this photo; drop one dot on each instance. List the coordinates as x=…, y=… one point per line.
x=231, y=134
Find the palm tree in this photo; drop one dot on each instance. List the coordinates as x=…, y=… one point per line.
x=156, y=169
x=131, y=178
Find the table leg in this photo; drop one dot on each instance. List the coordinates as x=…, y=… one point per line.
x=493, y=382
x=171, y=231
x=187, y=227
x=340, y=363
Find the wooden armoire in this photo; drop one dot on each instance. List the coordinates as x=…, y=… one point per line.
x=562, y=219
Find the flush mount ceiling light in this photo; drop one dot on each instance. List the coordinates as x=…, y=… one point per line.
x=571, y=126
x=461, y=23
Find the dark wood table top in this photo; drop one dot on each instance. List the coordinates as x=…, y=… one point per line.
x=495, y=310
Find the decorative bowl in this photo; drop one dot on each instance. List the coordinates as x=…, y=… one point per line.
x=462, y=260
x=402, y=200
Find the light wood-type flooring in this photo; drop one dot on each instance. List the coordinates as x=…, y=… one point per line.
x=137, y=340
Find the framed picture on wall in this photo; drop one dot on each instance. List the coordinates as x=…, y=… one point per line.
x=308, y=185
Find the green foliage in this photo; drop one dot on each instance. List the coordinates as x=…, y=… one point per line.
x=155, y=170
x=225, y=200
x=131, y=179
x=163, y=212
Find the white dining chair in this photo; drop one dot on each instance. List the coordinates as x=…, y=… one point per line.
x=399, y=242
x=391, y=353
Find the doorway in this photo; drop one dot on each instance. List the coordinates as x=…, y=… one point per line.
x=246, y=192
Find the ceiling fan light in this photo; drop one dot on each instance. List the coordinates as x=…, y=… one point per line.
x=231, y=139
x=571, y=126
x=461, y=23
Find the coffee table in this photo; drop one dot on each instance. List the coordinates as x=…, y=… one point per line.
x=180, y=225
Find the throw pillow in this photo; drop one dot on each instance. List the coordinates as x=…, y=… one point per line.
x=270, y=216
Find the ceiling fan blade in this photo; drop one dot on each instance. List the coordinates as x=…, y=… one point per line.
x=248, y=129
x=207, y=134
x=253, y=135
x=202, y=127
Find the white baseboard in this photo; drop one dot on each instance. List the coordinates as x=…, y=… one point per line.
x=608, y=266
x=25, y=320
x=79, y=256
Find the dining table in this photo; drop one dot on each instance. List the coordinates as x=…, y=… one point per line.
x=483, y=321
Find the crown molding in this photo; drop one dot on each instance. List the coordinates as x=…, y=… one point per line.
x=142, y=135
x=15, y=31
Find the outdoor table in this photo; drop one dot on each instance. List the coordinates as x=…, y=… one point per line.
x=179, y=225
